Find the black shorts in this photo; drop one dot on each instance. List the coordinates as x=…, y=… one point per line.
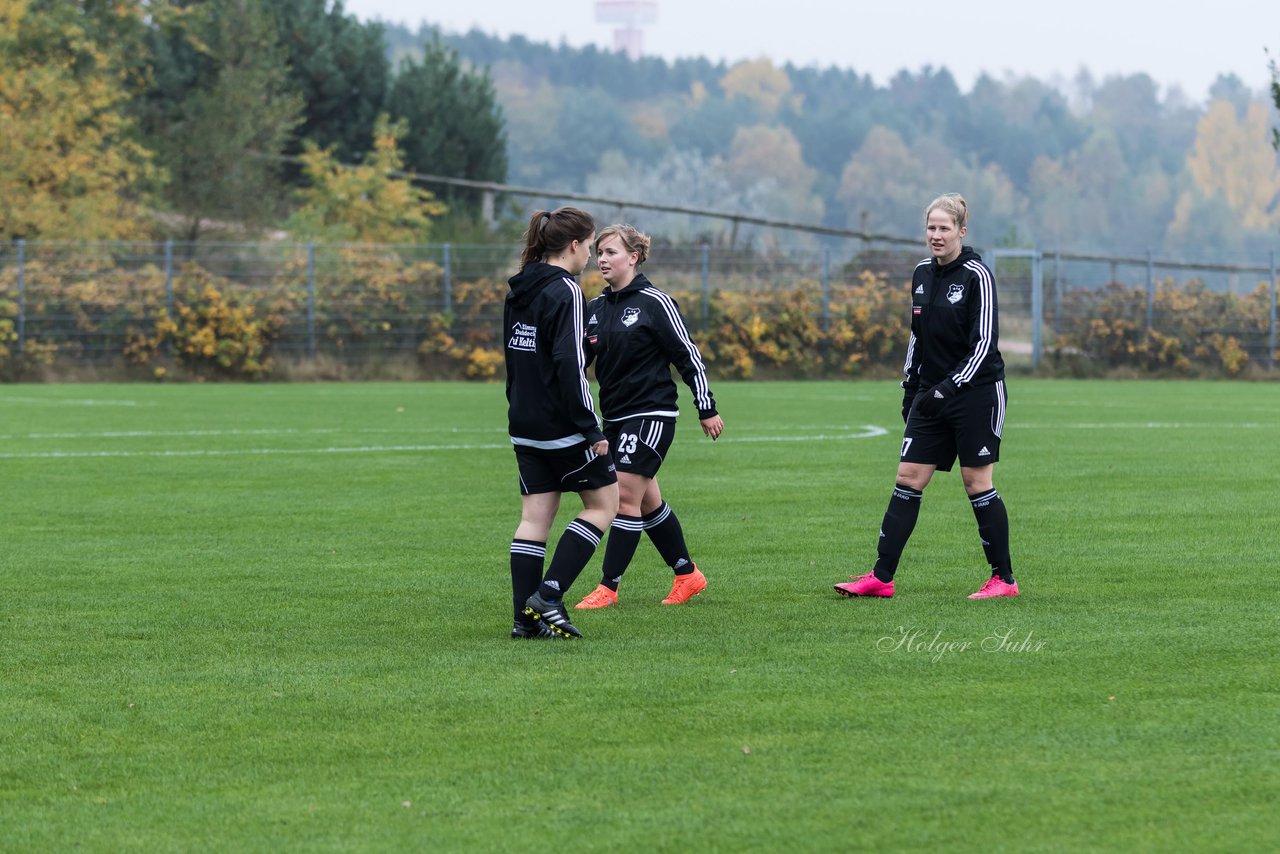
x=639, y=445
x=969, y=426
x=573, y=469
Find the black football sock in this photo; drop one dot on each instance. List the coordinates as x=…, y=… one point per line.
x=899, y=521
x=624, y=536
x=527, y=558
x=993, y=528
x=577, y=545
x=664, y=530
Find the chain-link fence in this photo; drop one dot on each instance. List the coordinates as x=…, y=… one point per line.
x=101, y=302
x=1051, y=301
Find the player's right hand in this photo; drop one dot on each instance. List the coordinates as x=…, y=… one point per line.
x=908, y=397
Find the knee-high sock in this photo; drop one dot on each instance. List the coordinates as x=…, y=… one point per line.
x=577, y=545
x=664, y=530
x=993, y=528
x=624, y=536
x=527, y=558
x=899, y=521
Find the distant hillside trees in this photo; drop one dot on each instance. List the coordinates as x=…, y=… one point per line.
x=1103, y=165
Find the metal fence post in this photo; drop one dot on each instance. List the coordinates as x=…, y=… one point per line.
x=448, y=279
x=1057, y=292
x=1271, y=353
x=168, y=280
x=1037, y=307
x=311, y=298
x=22, y=295
x=1151, y=291
x=706, y=287
x=826, y=290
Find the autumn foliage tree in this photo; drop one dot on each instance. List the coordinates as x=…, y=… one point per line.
x=1228, y=161
x=69, y=164
x=368, y=203
x=760, y=82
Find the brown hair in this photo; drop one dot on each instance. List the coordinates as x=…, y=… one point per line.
x=631, y=238
x=551, y=231
x=950, y=203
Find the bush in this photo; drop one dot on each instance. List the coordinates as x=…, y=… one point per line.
x=1193, y=329
x=784, y=332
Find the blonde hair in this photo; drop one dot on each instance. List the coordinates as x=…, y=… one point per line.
x=631, y=238
x=952, y=204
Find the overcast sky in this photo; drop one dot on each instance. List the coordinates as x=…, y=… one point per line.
x=1182, y=44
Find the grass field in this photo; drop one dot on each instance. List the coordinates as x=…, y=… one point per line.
x=255, y=617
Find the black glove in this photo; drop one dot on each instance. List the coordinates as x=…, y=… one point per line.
x=908, y=396
x=936, y=398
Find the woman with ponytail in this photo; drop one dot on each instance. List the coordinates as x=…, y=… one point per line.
x=552, y=422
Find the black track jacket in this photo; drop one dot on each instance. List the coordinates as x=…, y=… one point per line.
x=955, y=326
x=549, y=400
x=634, y=335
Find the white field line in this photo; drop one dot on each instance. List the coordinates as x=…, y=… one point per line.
x=57, y=401
x=240, y=452
x=842, y=433
x=865, y=432
x=270, y=431
x=1144, y=425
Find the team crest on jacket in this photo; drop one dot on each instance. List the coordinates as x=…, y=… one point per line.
x=523, y=337
x=955, y=293
x=630, y=316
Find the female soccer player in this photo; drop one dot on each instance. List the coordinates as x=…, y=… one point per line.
x=552, y=421
x=953, y=401
x=634, y=334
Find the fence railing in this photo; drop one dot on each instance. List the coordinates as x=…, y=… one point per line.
x=353, y=300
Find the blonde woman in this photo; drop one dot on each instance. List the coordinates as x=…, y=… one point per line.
x=953, y=401
x=635, y=333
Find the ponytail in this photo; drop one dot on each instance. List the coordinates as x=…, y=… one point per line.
x=551, y=231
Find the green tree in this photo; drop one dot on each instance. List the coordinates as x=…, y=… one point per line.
x=560, y=135
x=455, y=126
x=220, y=112
x=69, y=165
x=708, y=124
x=1275, y=97
x=367, y=203
x=340, y=67
x=1144, y=127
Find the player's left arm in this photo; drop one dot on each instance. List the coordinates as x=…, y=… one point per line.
x=673, y=336
x=984, y=324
